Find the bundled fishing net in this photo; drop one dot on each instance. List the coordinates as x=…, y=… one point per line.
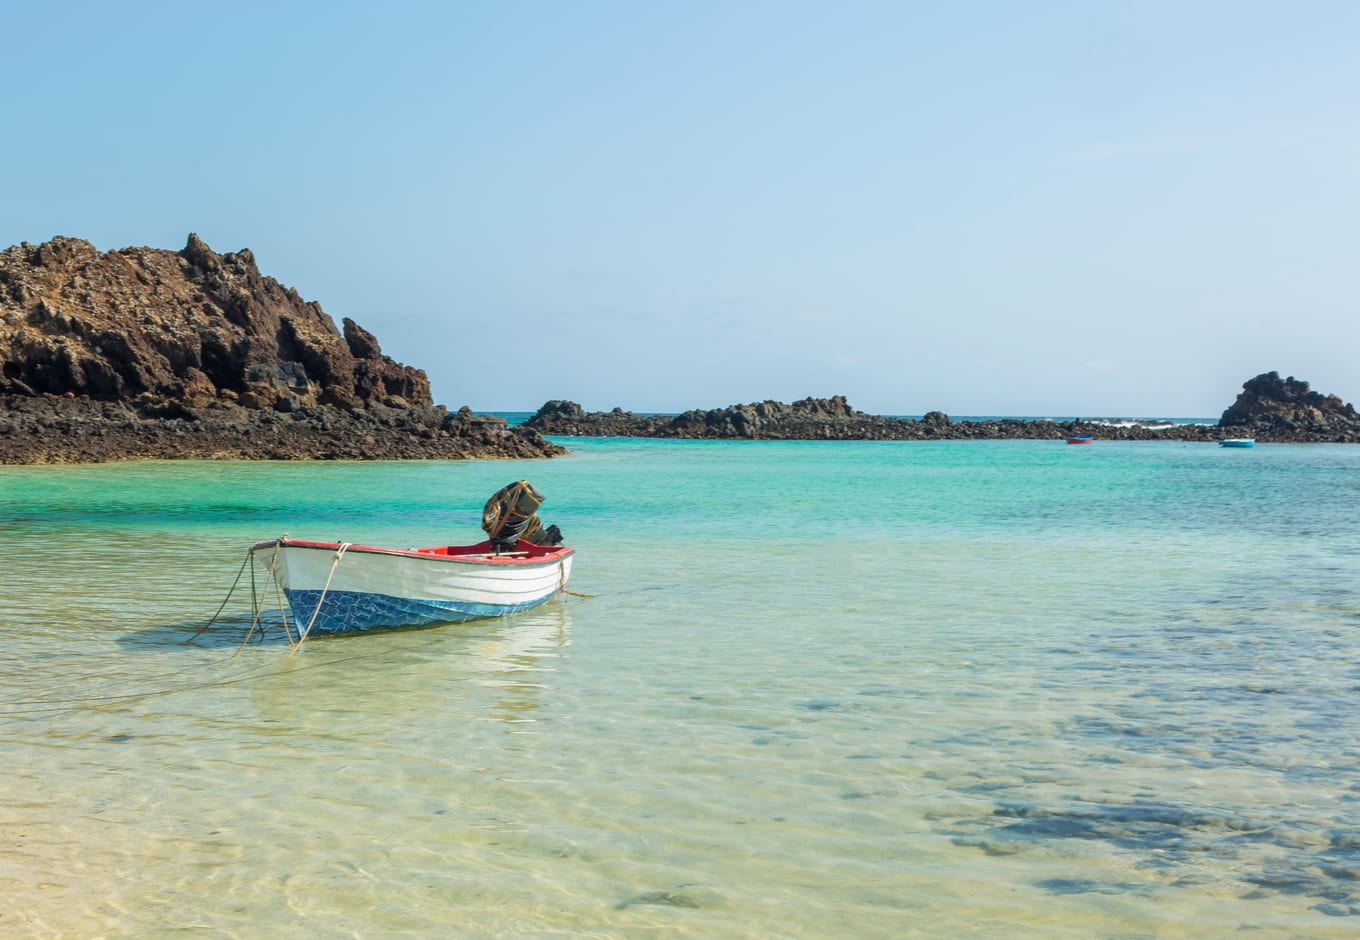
x=510, y=515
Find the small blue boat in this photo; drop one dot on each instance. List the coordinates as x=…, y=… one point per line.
x=1237, y=442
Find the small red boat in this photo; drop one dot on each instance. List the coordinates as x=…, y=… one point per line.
x=1080, y=439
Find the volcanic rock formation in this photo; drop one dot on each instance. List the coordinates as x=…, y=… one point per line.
x=1272, y=405
x=1273, y=410
x=143, y=352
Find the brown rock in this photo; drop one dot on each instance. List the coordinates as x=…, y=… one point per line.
x=1269, y=403
x=1276, y=410
x=114, y=325
x=245, y=364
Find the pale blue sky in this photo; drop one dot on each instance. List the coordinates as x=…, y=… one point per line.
x=1036, y=208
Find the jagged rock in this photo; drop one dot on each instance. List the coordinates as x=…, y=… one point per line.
x=1269, y=403
x=115, y=325
x=808, y=419
x=209, y=340
x=562, y=410
x=568, y=418
x=1293, y=414
x=50, y=429
x=362, y=344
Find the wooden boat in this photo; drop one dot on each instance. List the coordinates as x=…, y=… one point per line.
x=336, y=587
x=1237, y=442
x=1080, y=439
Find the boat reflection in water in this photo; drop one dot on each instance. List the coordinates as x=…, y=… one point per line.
x=494, y=669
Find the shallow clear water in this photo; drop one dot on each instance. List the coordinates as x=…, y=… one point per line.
x=818, y=690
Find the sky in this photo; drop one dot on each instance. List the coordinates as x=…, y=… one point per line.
x=1038, y=208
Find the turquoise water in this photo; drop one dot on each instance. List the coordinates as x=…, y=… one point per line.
x=1010, y=689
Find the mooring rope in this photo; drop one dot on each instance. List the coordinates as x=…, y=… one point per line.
x=562, y=580
x=256, y=608
x=257, y=597
x=230, y=591
x=340, y=552
x=278, y=596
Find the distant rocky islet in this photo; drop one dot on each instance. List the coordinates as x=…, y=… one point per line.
x=1269, y=408
x=143, y=353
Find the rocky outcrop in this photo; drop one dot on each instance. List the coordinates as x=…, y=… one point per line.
x=570, y=419
x=143, y=352
x=767, y=420
x=808, y=419
x=1300, y=416
x=1270, y=405
x=192, y=326
x=47, y=429
x=827, y=419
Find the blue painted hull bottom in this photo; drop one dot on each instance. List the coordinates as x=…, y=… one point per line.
x=353, y=611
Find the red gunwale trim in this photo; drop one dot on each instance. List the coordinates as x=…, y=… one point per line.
x=480, y=554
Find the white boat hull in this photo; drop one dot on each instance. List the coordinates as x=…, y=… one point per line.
x=340, y=588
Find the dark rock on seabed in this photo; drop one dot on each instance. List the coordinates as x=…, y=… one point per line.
x=1269, y=409
x=148, y=353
